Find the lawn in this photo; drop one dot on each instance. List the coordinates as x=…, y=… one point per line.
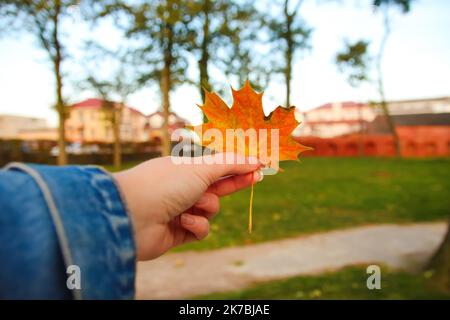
x=349, y=283
x=320, y=194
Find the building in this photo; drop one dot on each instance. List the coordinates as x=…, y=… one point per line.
x=420, y=106
x=155, y=125
x=88, y=121
x=420, y=135
x=426, y=134
x=11, y=126
x=43, y=134
x=343, y=118
x=335, y=119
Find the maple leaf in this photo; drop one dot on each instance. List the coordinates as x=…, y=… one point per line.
x=247, y=113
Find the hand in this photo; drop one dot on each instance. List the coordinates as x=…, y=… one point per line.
x=171, y=204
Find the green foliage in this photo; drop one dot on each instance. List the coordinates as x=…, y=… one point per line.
x=290, y=32
x=157, y=33
x=211, y=24
x=38, y=17
x=291, y=35
x=405, y=5
x=354, y=61
x=349, y=283
x=43, y=20
x=242, y=57
x=162, y=27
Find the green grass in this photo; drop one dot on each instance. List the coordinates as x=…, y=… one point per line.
x=320, y=194
x=349, y=283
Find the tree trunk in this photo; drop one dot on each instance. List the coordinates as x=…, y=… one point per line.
x=288, y=78
x=117, y=161
x=60, y=105
x=165, y=90
x=288, y=53
x=391, y=125
x=165, y=80
x=204, y=59
x=440, y=264
x=383, y=102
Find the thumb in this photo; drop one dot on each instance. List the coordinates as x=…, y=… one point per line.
x=213, y=167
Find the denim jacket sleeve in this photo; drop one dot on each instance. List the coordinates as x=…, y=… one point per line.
x=64, y=234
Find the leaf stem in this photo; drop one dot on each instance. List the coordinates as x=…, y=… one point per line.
x=250, y=210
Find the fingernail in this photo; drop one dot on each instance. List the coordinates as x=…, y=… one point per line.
x=258, y=176
x=187, y=219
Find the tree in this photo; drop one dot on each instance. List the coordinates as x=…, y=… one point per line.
x=439, y=264
x=384, y=7
x=117, y=85
x=43, y=19
x=291, y=35
x=205, y=43
x=207, y=9
x=109, y=73
x=225, y=34
x=158, y=38
x=162, y=27
x=354, y=61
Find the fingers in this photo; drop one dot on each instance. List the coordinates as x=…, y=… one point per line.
x=225, y=164
x=232, y=184
x=208, y=205
x=197, y=225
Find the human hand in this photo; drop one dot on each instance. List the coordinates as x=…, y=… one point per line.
x=171, y=204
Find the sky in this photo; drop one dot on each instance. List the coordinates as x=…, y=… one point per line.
x=416, y=62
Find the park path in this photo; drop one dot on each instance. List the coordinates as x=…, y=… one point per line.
x=186, y=274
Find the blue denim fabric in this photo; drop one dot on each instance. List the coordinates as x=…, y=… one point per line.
x=53, y=217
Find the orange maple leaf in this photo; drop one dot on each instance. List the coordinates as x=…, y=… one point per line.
x=247, y=113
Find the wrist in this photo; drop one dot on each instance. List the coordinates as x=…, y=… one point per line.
x=122, y=185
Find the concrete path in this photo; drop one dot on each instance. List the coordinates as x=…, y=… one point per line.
x=187, y=274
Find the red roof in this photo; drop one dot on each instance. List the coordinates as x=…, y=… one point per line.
x=96, y=103
x=93, y=102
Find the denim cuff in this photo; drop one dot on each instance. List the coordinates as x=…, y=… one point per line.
x=93, y=228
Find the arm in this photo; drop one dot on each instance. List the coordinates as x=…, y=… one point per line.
x=55, y=217
x=52, y=218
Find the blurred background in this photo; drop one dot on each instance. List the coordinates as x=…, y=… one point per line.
x=106, y=82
